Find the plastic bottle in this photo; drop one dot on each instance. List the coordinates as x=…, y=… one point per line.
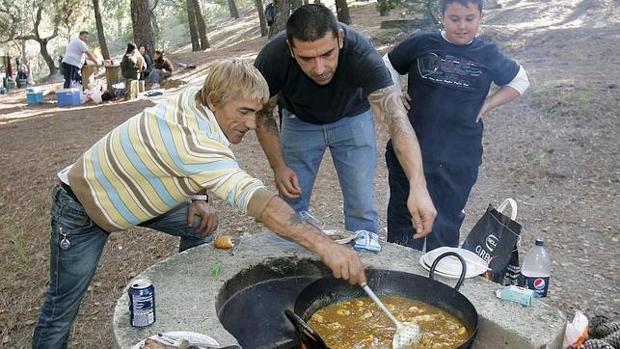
x=536, y=269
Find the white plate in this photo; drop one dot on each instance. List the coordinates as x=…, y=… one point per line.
x=452, y=266
x=192, y=337
x=428, y=268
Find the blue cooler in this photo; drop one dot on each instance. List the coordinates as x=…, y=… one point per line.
x=34, y=97
x=68, y=96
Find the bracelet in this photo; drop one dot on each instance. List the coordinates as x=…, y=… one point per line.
x=202, y=197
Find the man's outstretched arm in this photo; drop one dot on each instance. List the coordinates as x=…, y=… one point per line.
x=388, y=108
x=344, y=262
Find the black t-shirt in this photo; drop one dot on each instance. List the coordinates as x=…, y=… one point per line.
x=448, y=85
x=360, y=72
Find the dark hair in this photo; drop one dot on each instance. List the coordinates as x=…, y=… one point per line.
x=84, y=32
x=310, y=23
x=161, y=56
x=131, y=47
x=445, y=3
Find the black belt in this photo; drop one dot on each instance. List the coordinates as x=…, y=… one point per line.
x=64, y=186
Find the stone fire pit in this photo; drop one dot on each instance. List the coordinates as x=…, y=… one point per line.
x=190, y=298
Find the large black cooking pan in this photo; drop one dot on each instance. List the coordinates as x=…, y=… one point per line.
x=329, y=290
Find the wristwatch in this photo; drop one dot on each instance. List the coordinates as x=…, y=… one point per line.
x=201, y=197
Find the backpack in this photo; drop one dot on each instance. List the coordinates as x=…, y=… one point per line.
x=269, y=14
x=128, y=68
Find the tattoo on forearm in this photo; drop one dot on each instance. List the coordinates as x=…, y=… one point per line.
x=388, y=104
x=266, y=119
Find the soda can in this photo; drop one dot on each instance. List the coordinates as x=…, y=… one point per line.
x=141, y=303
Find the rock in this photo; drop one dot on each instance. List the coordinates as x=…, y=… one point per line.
x=406, y=24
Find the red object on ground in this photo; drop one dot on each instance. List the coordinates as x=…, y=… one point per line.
x=9, y=68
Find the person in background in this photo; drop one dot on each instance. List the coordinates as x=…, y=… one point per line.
x=74, y=58
x=23, y=73
x=326, y=77
x=145, y=172
x=132, y=63
x=162, y=68
x=449, y=76
x=148, y=60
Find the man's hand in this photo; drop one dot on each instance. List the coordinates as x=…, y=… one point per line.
x=344, y=262
x=422, y=211
x=406, y=100
x=483, y=112
x=207, y=214
x=286, y=182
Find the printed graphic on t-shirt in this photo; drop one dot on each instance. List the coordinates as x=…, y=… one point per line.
x=450, y=71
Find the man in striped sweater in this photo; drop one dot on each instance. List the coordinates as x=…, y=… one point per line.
x=144, y=172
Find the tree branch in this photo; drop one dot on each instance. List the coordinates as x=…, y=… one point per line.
x=38, y=21
x=27, y=37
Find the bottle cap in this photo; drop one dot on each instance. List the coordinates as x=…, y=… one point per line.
x=539, y=242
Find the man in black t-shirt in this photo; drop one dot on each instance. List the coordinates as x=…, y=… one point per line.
x=325, y=76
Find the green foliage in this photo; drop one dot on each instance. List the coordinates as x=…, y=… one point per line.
x=216, y=269
x=385, y=6
x=428, y=10
x=213, y=11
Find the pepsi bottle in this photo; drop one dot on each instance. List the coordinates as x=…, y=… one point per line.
x=536, y=269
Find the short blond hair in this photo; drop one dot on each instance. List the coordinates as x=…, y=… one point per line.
x=230, y=79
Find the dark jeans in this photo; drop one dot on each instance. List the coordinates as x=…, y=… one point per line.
x=72, y=269
x=72, y=74
x=449, y=188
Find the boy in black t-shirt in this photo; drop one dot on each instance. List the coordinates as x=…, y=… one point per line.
x=449, y=76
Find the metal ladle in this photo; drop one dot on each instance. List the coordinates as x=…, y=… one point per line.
x=407, y=333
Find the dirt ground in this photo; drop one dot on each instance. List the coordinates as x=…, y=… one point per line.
x=555, y=150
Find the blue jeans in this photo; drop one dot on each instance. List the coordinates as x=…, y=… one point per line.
x=353, y=145
x=449, y=188
x=72, y=269
x=155, y=75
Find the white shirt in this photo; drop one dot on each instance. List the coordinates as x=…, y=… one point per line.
x=75, y=53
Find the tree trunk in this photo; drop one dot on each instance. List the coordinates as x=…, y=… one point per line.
x=48, y=59
x=295, y=4
x=281, y=13
x=23, y=53
x=342, y=10
x=202, y=27
x=232, y=7
x=193, y=27
x=154, y=23
x=431, y=13
x=264, y=30
x=306, y=2
x=141, y=21
x=100, y=34
x=384, y=8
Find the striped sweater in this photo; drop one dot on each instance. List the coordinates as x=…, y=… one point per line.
x=155, y=160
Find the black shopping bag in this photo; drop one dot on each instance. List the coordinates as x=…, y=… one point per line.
x=495, y=238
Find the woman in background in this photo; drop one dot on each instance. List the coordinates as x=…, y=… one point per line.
x=162, y=68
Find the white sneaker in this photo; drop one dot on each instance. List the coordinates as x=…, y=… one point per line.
x=154, y=86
